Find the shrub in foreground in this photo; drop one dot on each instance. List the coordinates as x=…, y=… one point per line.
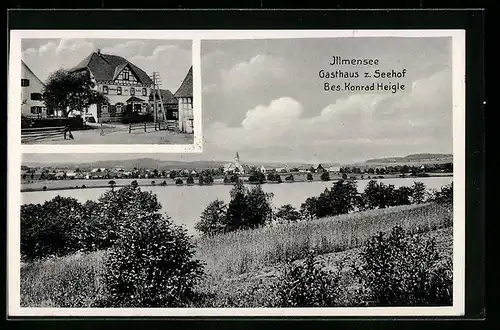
x=151, y=265
x=308, y=284
x=401, y=270
x=445, y=195
x=52, y=228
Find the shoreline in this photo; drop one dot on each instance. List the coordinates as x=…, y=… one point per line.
x=91, y=184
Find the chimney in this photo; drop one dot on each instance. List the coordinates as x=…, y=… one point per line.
x=99, y=51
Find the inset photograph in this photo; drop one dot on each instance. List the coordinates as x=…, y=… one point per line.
x=106, y=91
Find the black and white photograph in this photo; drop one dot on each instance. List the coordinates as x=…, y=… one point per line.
x=331, y=181
x=90, y=91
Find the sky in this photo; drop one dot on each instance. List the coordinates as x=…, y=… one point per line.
x=171, y=58
x=265, y=99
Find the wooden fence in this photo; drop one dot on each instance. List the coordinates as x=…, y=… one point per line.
x=149, y=126
x=41, y=133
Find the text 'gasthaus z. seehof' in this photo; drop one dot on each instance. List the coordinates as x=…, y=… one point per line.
x=362, y=75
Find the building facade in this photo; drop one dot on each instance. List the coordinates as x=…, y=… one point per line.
x=184, y=96
x=32, y=105
x=126, y=86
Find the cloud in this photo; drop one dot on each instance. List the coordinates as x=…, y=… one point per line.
x=52, y=56
x=381, y=122
x=281, y=112
x=261, y=70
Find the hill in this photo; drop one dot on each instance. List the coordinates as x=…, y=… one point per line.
x=413, y=158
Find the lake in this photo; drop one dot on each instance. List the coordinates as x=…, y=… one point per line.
x=184, y=204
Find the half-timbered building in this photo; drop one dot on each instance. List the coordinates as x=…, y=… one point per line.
x=126, y=86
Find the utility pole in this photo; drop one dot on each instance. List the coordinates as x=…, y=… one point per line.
x=155, y=106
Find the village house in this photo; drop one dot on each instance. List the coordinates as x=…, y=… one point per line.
x=31, y=94
x=320, y=169
x=262, y=170
x=334, y=169
x=60, y=175
x=126, y=86
x=71, y=175
x=184, y=96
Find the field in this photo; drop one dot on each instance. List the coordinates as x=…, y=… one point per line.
x=241, y=266
x=118, y=134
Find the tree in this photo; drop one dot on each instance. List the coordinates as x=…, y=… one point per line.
x=287, y=213
x=256, y=177
x=179, y=181
x=213, y=219
x=153, y=183
x=309, y=208
x=112, y=184
x=173, y=174
x=325, y=176
x=289, y=178
x=309, y=176
x=418, y=192
x=67, y=91
x=248, y=209
x=134, y=184
x=274, y=177
x=190, y=179
x=205, y=179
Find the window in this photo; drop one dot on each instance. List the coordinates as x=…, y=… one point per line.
x=104, y=108
x=132, y=91
x=126, y=75
x=119, y=90
x=119, y=108
x=105, y=90
x=36, y=110
x=175, y=114
x=36, y=96
x=25, y=82
x=144, y=92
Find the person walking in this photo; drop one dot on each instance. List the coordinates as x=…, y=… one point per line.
x=67, y=131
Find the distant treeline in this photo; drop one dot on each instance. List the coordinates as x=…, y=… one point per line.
x=252, y=208
x=400, y=169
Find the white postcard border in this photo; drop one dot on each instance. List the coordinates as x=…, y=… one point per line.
x=15, y=149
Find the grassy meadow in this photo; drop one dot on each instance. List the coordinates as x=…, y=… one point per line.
x=241, y=266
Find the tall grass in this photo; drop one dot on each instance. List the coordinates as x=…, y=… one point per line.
x=77, y=280
x=72, y=281
x=248, y=250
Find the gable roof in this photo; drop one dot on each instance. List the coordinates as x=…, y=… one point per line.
x=186, y=88
x=134, y=99
x=107, y=67
x=166, y=96
x=31, y=71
